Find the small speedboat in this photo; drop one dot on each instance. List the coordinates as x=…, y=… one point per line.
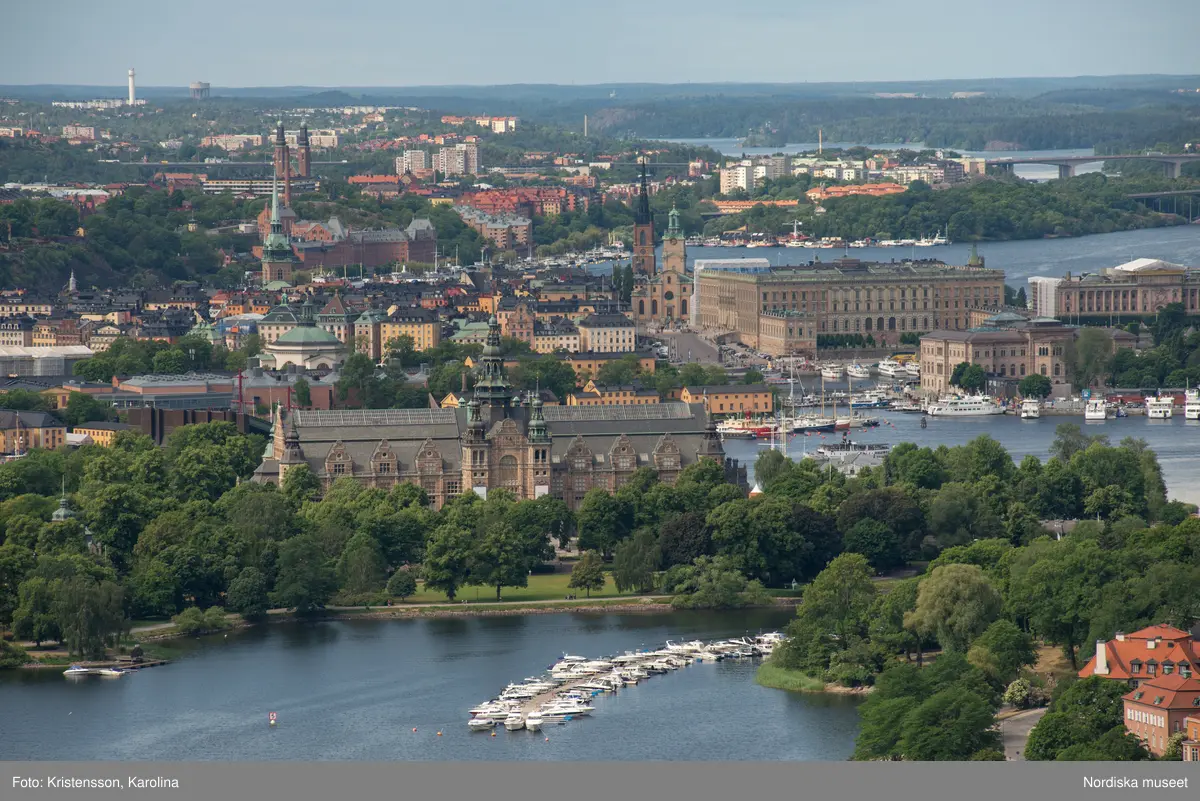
x=112, y=672
x=75, y=671
x=481, y=724
x=534, y=722
x=514, y=722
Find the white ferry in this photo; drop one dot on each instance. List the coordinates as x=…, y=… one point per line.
x=1191, y=406
x=858, y=371
x=892, y=368
x=969, y=406
x=1161, y=408
x=832, y=372
x=1031, y=409
x=1095, y=409
x=913, y=369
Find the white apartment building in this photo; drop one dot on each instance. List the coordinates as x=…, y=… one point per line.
x=1043, y=295
x=737, y=176
x=411, y=161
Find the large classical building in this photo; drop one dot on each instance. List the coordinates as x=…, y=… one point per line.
x=781, y=310
x=1136, y=289
x=1008, y=347
x=497, y=441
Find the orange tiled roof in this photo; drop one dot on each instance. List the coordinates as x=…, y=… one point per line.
x=1167, y=692
x=1175, y=646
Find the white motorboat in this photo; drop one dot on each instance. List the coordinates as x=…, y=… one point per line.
x=534, y=721
x=76, y=671
x=1191, y=405
x=514, y=722
x=859, y=371
x=913, y=369
x=1031, y=409
x=708, y=656
x=1160, y=408
x=112, y=672
x=481, y=724
x=891, y=368
x=1095, y=409
x=832, y=372
x=968, y=406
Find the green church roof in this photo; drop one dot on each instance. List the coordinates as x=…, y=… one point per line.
x=308, y=335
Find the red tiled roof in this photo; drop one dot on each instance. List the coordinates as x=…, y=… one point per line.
x=1167, y=692
x=1171, y=644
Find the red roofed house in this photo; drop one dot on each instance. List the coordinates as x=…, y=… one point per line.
x=1151, y=652
x=1160, y=707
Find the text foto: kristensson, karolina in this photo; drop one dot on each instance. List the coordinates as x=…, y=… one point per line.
x=1111, y=782
x=77, y=783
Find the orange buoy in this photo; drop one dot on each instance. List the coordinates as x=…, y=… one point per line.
x=439, y=734
x=547, y=739
x=493, y=734
x=414, y=728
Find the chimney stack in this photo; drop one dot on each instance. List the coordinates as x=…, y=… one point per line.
x=1101, y=658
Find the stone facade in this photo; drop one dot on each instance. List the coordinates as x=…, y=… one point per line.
x=498, y=440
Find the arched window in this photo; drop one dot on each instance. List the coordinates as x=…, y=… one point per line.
x=868, y=324
x=654, y=308
x=1043, y=369
x=508, y=472
x=642, y=237
x=641, y=307
x=891, y=323
x=1002, y=369
x=683, y=306
x=1057, y=369
x=1022, y=369
x=879, y=324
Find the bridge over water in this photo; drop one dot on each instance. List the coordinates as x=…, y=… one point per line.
x=1172, y=162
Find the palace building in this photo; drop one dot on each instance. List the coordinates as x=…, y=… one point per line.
x=500, y=439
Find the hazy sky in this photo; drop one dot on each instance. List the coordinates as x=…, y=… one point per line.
x=410, y=42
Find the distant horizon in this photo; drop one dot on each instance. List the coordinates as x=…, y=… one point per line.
x=378, y=44
x=121, y=87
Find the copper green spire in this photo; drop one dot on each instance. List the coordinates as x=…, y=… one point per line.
x=492, y=388
x=673, y=231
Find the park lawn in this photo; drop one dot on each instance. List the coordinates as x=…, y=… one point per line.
x=772, y=675
x=542, y=587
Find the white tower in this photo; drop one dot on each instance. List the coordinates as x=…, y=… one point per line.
x=132, y=94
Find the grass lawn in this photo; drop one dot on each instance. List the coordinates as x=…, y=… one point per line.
x=771, y=675
x=543, y=587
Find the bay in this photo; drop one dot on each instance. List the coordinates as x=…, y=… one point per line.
x=1175, y=441
x=354, y=690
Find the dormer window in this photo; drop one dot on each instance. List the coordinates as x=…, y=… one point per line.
x=1185, y=670
x=1135, y=667
x=1168, y=668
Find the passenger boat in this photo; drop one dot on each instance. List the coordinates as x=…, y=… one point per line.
x=1095, y=409
x=1191, y=405
x=891, y=368
x=859, y=371
x=1031, y=409
x=913, y=369
x=968, y=406
x=1161, y=408
x=832, y=372
x=847, y=445
x=745, y=429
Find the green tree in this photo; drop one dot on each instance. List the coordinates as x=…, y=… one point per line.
x=247, y=594
x=300, y=484
x=89, y=612
x=447, y=556
x=604, y=520
x=1035, y=385
x=636, y=560
x=1089, y=356
x=956, y=603
x=361, y=567
x=877, y=542
x=502, y=558
x=949, y=725
x=683, y=538
x=12, y=655
x=35, y=618
x=303, y=392
x=1081, y=714
x=1002, y=651
x=82, y=408
x=305, y=579
x=401, y=585
x=588, y=573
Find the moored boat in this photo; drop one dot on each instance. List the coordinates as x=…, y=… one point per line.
x=967, y=406
x=1031, y=409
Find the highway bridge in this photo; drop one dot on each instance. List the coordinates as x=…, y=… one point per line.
x=1172, y=162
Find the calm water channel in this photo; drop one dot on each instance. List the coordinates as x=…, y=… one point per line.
x=355, y=690
x=1176, y=441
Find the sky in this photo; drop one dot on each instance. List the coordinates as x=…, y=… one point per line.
x=490, y=42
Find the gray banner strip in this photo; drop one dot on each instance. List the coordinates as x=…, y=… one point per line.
x=611, y=781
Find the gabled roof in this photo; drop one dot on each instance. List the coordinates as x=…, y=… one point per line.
x=1171, y=691
x=1169, y=644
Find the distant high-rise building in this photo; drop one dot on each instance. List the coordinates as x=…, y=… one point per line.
x=451, y=161
x=132, y=93
x=470, y=151
x=737, y=176
x=411, y=161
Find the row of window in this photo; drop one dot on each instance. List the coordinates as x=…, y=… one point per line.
x=865, y=294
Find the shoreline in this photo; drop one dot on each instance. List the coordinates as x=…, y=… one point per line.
x=774, y=677
x=642, y=605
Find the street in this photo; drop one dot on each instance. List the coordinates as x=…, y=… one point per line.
x=685, y=343
x=1014, y=732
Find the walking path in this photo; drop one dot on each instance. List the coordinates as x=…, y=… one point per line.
x=1014, y=732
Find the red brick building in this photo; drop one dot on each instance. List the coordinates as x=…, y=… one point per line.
x=1159, y=708
x=527, y=200
x=1149, y=653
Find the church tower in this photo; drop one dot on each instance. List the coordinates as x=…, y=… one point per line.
x=674, y=255
x=277, y=257
x=643, y=231
x=303, y=153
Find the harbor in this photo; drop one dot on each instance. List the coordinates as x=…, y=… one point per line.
x=568, y=688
